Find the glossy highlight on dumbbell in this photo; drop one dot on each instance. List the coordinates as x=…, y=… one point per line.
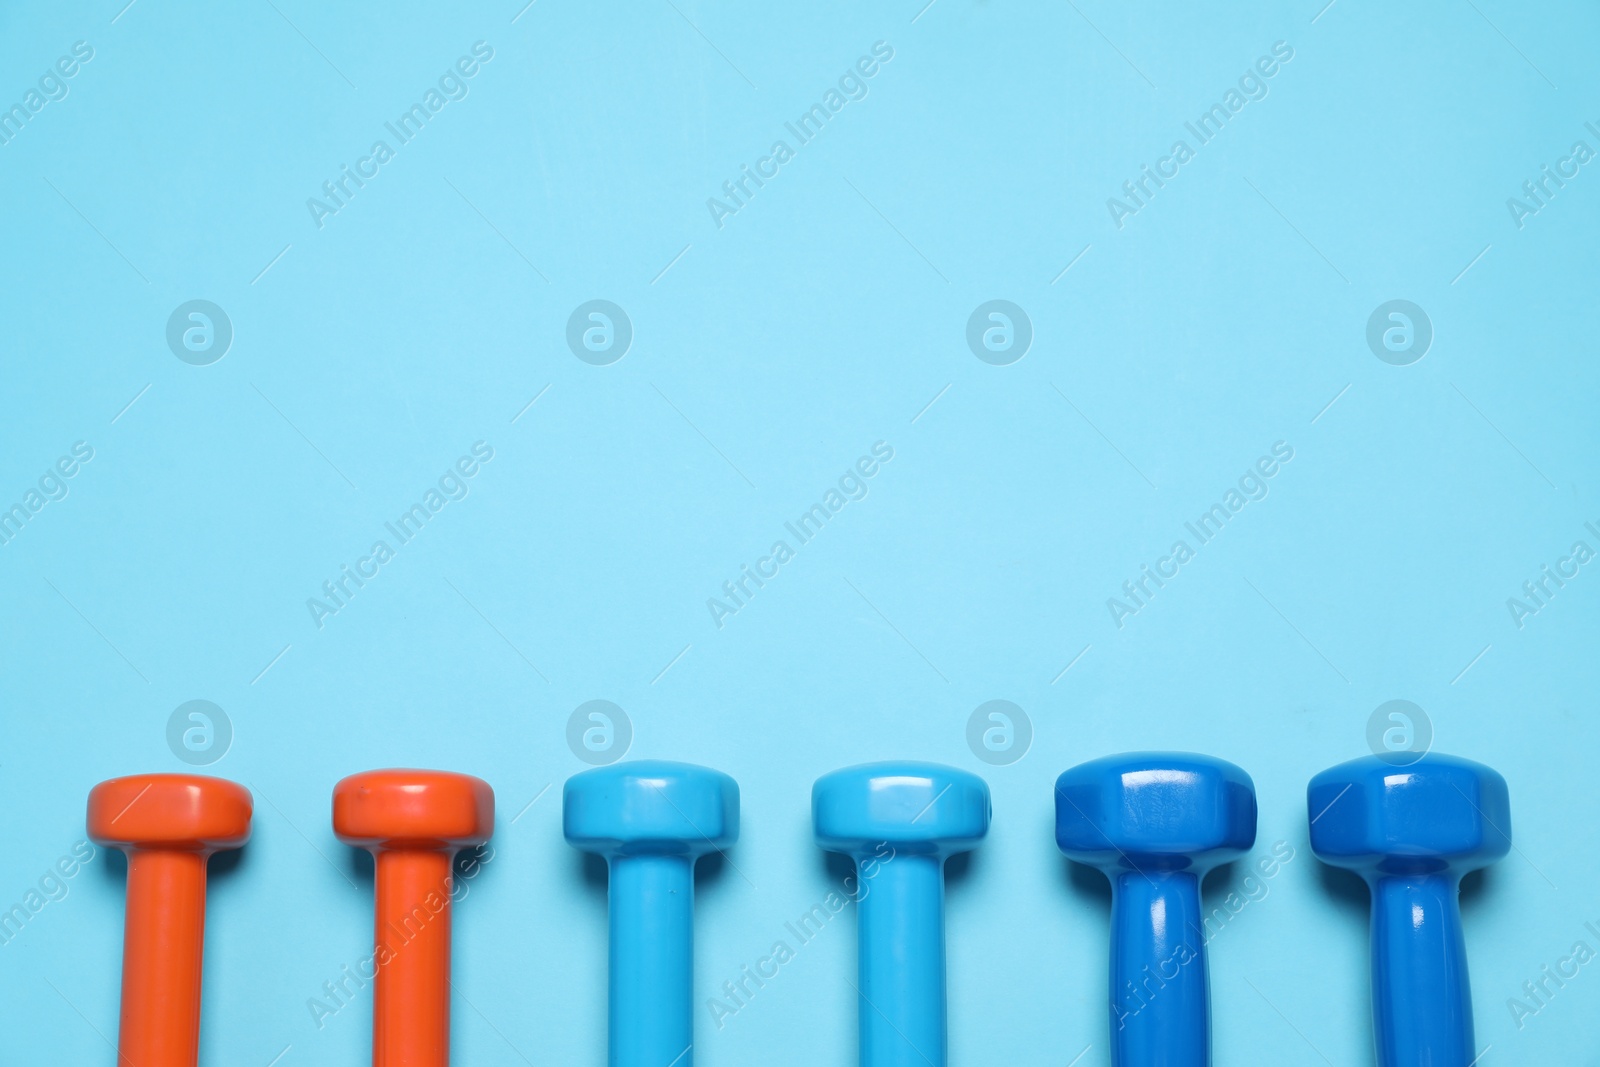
x=169, y=825
x=1155, y=823
x=924, y=813
x=413, y=822
x=1411, y=831
x=651, y=820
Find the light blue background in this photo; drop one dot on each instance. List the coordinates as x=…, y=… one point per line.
x=823, y=317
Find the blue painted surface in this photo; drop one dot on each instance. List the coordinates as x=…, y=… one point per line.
x=821, y=332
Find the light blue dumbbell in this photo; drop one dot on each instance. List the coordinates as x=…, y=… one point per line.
x=900, y=822
x=651, y=820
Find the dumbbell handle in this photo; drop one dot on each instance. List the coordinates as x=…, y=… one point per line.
x=901, y=930
x=651, y=907
x=1421, y=1000
x=162, y=948
x=411, y=993
x=1160, y=995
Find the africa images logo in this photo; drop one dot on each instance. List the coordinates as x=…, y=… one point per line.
x=852, y=85
x=451, y=85
x=1251, y=86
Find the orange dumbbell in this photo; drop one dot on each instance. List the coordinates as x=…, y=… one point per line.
x=169, y=825
x=413, y=822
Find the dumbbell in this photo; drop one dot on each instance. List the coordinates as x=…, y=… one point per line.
x=169, y=825
x=413, y=822
x=899, y=822
x=1155, y=823
x=1411, y=831
x=651, y=819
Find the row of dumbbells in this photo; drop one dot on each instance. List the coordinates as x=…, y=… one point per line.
x=1155, y=823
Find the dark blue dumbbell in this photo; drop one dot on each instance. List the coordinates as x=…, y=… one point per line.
x=1155, y=823
x=900, y=822
x=1411, y=831
x=651, y=820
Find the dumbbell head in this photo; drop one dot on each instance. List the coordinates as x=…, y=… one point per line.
x=182, y=812
x=413, y=809
x=169, y=824
x=1155, y=810
x=917, y=807
x=651, y=807
x=1439, y=813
